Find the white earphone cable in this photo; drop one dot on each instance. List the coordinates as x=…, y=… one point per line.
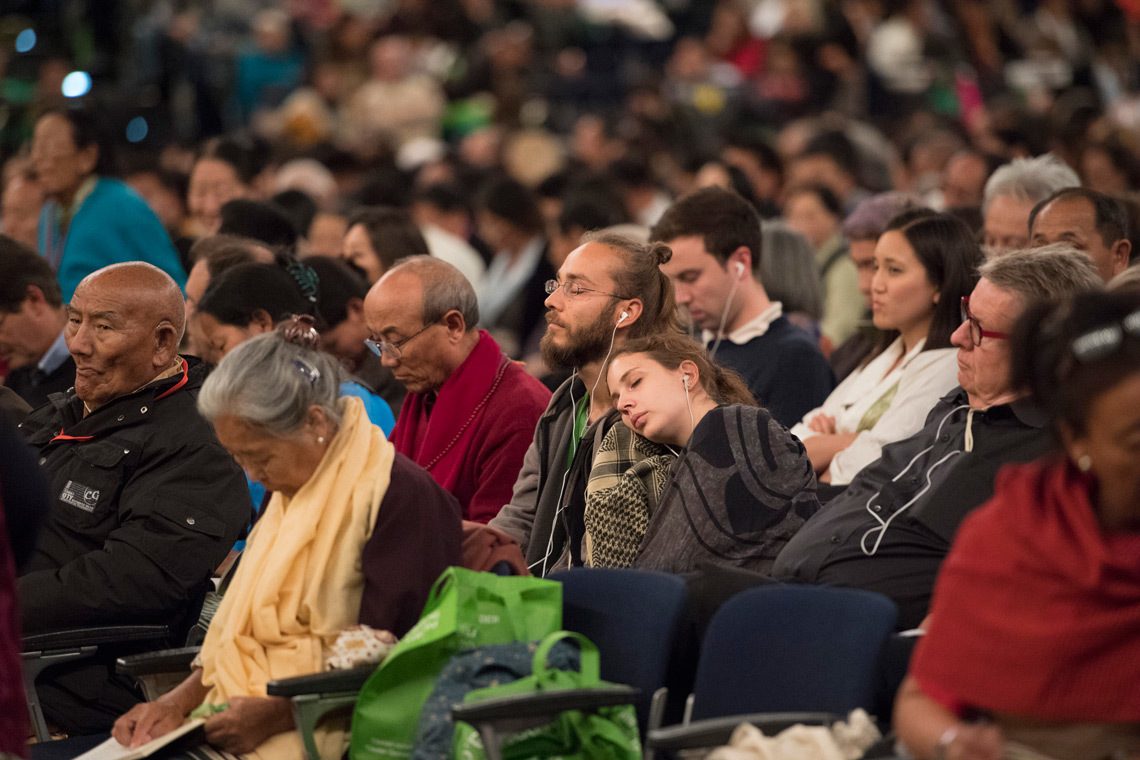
x=689, y=406
x=883, y=525
x=725, y=310
x=602, y=367
x=561, y=490
x=573, y=415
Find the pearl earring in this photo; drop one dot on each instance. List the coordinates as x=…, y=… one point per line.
x=320, y=439
x=1084, y=463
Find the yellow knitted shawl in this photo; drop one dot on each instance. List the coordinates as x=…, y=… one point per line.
x=300, y=580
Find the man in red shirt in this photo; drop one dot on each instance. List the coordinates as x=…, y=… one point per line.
x=470, y=412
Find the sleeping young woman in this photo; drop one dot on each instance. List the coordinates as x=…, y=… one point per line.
x=697, y=472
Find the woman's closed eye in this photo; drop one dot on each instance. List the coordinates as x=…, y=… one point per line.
x=251, y=460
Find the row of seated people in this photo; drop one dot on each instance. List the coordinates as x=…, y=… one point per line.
x=633, y=332
x=1044, y=621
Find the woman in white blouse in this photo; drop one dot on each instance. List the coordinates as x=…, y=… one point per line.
x=923, y=267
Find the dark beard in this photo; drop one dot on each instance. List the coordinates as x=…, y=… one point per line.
x=583, y=346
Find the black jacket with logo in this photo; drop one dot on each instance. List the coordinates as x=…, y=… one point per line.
x=145, y=504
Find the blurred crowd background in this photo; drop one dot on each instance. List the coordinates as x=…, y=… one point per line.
x=620, y=104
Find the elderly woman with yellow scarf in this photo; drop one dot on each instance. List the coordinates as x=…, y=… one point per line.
x=354, y=532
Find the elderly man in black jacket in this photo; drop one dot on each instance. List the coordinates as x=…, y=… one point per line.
x=146, y=502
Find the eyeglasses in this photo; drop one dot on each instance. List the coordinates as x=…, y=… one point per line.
x=1104, y=341
x=977, y=332
x=570, y=289
x=392, y=348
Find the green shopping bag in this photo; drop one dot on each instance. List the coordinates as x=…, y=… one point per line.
x=610, y=733
x=464, y=609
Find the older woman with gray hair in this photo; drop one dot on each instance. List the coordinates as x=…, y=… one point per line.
x=354, y=532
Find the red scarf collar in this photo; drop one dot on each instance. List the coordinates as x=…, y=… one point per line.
x=1037, y=610
x=439, y=442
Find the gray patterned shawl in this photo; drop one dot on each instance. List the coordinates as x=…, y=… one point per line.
x=627, y=478
x=736, y=496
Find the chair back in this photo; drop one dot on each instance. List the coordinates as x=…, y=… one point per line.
x=792, y=648
x=634, y=617
x=893, y=668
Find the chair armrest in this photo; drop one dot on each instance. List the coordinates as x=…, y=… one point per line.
x=162, y=661
x=717, y=731
x=330, y=682
x=94, y=636
x=543, y=704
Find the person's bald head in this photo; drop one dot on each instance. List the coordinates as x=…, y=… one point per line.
x=124, y=325
x=444, y=288
x=427, y=310
x=146, y=290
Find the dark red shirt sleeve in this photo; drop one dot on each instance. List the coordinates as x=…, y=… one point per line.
x=418, y=535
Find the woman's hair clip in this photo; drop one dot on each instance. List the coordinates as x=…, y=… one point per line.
x=306, y=278
x=308, y=371
x=300, y=330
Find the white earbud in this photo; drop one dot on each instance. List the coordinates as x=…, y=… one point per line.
x=685, y=381
x=623, y=317
x=739, y=268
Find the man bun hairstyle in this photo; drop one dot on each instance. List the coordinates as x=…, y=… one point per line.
x=638, y=275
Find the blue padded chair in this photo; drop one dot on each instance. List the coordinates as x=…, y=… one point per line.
x=792, y=648
x=892, y=670
x=785, y=654
x=634, y=616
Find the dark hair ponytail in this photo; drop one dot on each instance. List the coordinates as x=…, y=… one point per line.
x=307, y=279
x=240, y=292
x=245, y=154
x=1045, y=365
x=947, y=250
